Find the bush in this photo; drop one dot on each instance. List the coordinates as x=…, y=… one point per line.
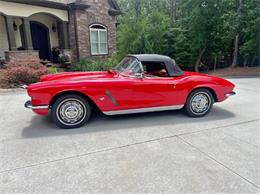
x=53, y=70
x=91, y=65
x=23, y=72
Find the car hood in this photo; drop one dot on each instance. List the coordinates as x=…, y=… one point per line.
x=78, y=76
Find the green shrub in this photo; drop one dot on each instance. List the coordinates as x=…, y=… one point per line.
x=53, y=70
x=91, y=65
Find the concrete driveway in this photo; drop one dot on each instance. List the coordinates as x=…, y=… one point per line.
x=165, y=152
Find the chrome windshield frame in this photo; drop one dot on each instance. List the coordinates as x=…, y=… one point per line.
x=137, y=75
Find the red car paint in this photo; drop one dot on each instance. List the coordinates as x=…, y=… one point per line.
x=129, y=92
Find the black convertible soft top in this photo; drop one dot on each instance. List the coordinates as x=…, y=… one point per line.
x=171, y=66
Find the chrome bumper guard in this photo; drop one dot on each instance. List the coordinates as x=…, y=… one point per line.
x=29, y=105
x=230, y=94
x=24, y=86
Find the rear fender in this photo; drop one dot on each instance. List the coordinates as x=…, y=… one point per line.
x=211, y=88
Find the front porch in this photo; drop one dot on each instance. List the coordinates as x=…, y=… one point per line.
x=32, y=32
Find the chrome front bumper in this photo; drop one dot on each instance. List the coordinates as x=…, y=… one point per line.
x=230, y=94
x=24, y=86
x=29, y=105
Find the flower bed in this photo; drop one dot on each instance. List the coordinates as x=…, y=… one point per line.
x=21, y=72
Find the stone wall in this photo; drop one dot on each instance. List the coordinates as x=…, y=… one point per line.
x=97, y=13
x=72, y=36
x=22, y=55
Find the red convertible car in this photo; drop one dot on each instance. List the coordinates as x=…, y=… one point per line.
x=140, y=83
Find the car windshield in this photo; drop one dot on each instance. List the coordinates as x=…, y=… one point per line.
x=129, y=66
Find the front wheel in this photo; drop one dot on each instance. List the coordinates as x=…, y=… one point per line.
x=70, y=111
x=199, y=103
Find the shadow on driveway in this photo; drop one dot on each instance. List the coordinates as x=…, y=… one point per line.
x=44, y=127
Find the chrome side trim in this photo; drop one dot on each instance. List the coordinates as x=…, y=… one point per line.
x=29, y=105
x=230, y=94
x=39, y=107
x=143, y=110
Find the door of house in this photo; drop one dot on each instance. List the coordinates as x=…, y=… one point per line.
x=41, y=40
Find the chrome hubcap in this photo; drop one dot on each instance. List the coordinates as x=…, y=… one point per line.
x=71, y=112
x=200, y=103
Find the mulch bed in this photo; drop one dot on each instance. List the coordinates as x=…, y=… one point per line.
x=3, y=85
x=237, y=72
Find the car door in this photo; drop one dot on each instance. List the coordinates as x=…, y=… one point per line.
x=148, y=92
x=157, y=92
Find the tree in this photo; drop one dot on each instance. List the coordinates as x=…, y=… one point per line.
x=201, y=22
x=173, y=4
x=250, y=44
x=137, y=8
x=194, y=32
x=237, y=36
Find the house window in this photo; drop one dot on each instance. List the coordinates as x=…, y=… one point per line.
x=98, y=39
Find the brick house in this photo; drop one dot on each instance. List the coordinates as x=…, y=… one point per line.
x=33, y=29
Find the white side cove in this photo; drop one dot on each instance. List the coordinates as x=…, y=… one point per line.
x=143, y=110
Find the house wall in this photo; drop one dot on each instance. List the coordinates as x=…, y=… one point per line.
x=42, y=18
x=97, y=13
x=79, y=32
x=24, y=10
x=3, y=37
x=44, y=15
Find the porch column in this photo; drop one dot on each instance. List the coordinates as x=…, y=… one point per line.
x=63, y=35
x=27, y=34
x=9, y=20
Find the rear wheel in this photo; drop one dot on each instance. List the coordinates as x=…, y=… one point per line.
x=199, y=103
x=71, y=111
